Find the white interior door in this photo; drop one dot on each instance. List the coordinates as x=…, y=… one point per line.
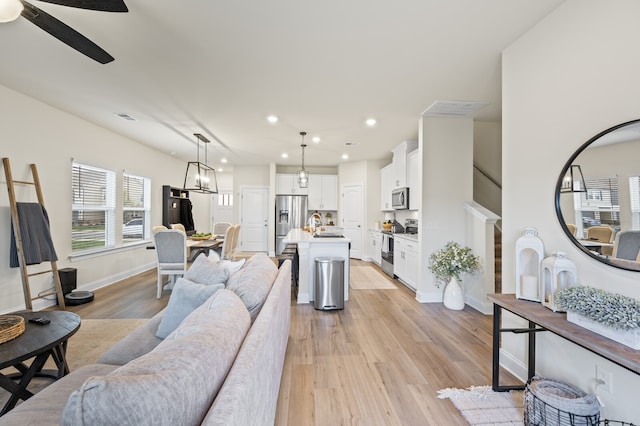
x=352, y=217
x=254, y=206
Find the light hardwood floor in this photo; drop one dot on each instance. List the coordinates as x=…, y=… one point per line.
x=380, y=361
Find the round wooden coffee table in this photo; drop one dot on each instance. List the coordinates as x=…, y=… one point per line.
x=37, y=342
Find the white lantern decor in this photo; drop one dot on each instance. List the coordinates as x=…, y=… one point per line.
x=558, y=273
x=529, y=255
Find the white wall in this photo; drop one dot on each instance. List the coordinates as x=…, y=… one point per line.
x=32, y=132
x=573, y=75
x=487, y=154
x=447, y=180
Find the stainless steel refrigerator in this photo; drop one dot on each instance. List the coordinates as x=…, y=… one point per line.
x=291, y=213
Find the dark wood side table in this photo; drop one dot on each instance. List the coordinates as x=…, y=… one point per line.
x=38, y=342
x=541, y=319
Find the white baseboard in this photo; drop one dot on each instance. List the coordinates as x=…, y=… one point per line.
x=484, y=307
x=428, y=297
x=513, y=365
x=40, y=304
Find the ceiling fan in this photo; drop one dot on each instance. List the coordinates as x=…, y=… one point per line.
x=11, y=9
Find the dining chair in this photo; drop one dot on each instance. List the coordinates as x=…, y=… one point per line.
x=179, y=226
x=227, y=244
x=601, y=233
x=627, y=245
x=158, y=228
x=572, y=228
x=220, y=228
x=234, y=243
x=171, y=255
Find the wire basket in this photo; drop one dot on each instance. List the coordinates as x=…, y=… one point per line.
x=11, y=326
x=540, y=413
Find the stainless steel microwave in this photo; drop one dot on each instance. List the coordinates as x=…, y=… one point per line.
x=400, y=198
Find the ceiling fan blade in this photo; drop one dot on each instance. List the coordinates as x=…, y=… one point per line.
x=65, y=33
x=100, y=5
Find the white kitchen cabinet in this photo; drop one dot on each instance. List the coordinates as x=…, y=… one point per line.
x=323, y=192
x=375, y=242
x=400, y=153
x=287, y=184
x=386, y=186
x=405, y=260
x=413, y=180
x=399, y=258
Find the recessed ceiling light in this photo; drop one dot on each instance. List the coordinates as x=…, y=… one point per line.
x=371, y=122
x=345, y=156
x=285, y=155
x=315, y=139
x=223, y=160
x=272, y=119
x=220, y=169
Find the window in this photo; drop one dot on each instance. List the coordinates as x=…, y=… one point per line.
x=225, y=199
x=93, y=207
x=634, y=189
x=600, y=205
x=135, y=208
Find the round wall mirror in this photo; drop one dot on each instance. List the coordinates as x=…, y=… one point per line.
x=597, y=197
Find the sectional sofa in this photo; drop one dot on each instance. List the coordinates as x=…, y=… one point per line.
x=219, y=364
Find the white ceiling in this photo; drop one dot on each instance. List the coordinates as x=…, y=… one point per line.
x=221, y=67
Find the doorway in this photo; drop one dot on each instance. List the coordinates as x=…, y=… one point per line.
x=254, y=218
x=352, y=208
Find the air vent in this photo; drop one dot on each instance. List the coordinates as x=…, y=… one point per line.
x=125, y=116
x=454, y=108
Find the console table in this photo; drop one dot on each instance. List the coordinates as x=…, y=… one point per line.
x=543, y=319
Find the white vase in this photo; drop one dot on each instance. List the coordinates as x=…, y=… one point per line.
x=453, y=297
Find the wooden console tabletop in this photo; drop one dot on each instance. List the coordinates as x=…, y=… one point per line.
x=557, y=323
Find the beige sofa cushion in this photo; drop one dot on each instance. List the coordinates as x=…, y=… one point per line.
x=253, y=282
x=176, y=382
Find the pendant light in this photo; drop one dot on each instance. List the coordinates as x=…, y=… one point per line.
x=199, y=177
x=573, y=180
x=303, y=175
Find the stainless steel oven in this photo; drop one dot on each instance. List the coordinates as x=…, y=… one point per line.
x=387, y=253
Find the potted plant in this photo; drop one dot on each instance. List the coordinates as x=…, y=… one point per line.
x=448, y=264
x=612, y=315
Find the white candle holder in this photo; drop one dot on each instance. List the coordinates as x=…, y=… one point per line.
x=558, y=273
x=529, y=255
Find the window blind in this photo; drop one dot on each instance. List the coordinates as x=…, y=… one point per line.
x=93, y=206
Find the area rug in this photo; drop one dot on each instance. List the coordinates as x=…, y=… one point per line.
x=93, y=338
x=480, y=405
x=367, y=278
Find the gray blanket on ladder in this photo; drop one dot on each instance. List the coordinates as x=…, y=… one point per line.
x=36, y=235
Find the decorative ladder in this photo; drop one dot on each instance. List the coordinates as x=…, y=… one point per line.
x=18, y=236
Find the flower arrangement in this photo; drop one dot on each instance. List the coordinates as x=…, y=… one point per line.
x=452, y=261
x=610, y=309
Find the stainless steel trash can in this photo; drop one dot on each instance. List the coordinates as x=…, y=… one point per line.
x=329, y=283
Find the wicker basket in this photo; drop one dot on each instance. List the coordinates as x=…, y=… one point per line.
x=11, y=326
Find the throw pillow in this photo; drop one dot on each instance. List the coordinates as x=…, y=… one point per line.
x=204, y=270
x=176, y=382
x=213, y=255
x=232, y=266
x=185, y=297
x=253, y=282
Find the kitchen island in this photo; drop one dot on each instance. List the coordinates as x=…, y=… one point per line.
x=310, y=248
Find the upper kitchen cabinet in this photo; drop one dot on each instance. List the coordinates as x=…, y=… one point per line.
x=386, y=186
x=399, y=163
x=413, y=180
x=287, y=184
x=323, y=192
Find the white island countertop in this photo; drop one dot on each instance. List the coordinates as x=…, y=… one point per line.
x=310, y=248
x=299, y=236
